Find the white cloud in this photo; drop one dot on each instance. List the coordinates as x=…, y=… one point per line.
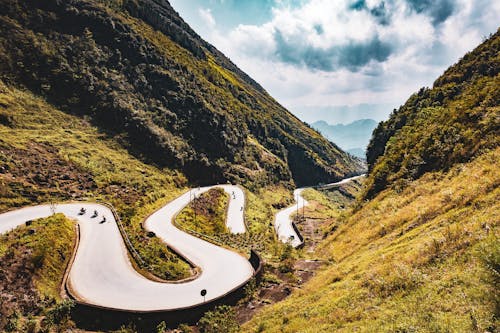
x=207, y=17
x=325, y=54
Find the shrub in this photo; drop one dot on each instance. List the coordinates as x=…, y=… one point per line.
x=60, y=312
x=221, y=320
x=161, y=327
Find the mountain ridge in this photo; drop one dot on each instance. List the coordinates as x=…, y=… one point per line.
x=173, y=99
x=452, y=122
x=352, y=137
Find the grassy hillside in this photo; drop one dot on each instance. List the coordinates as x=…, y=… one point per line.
x=32, y=262
x=42, y=161
x=206, y=214
x=453, y=122
x=138, y=72
x=420, y=251
x=422, y=260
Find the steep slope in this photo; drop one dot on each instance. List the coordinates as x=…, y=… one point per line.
x=421, y=255
x=33, y=260
x=136, y=70
x=42, y=162
x=453, y=122
x=426, y=259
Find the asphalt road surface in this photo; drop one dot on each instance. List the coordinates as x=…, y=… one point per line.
x=103, y=275
x=283, y=219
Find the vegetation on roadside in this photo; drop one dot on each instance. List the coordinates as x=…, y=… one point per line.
x=221, y=319
x=32, y=263
x=422, y=259
x=42, y=161
x=419, y=250
x=206, y=214
x=451, y=123
x=210, y=208
x=79, y=119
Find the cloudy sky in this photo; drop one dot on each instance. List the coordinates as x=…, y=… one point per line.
x=342, y=60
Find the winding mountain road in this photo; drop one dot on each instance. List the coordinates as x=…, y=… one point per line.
x=103, y=275
x=283, y=220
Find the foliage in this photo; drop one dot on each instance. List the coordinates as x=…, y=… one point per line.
x=161, y=327
x=60, y=312
x=421, y=254
x=489, y=253
x=421, y=259
x=44, y=162
x=205, y=214
x=137, y=71
x=453, y=122
x=250, y=290
x=221, y=319
x=184, y=328
x=37, y=255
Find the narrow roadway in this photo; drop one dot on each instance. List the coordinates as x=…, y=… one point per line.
x=103, y=275
x=283, y=220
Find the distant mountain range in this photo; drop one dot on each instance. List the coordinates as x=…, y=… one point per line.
x=353, y=137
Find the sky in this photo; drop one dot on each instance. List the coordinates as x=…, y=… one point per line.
x=342, y=60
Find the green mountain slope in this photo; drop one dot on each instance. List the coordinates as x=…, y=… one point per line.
x=453, y=122
x=42, y=161
x=426, y=259
x=137, y=71
x=423, y=254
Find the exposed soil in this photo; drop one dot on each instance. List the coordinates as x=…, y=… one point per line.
x=206, y=204
x=270, y=292
x=17, y=289
x=40, y=166
x=310, y=229
x=39, y=172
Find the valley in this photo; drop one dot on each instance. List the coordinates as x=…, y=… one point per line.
x=148, y=184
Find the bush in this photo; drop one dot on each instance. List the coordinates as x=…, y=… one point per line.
x=161, y=327
x=60, y=312
x=185, y=328
x=221, y=320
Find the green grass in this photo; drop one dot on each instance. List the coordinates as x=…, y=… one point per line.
x=417, y=260
x=79, y=150
x=44, y=249
x=135, y=189
x=259, y=213
x=51, y=242
x=206, y=214
x=452, y=122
